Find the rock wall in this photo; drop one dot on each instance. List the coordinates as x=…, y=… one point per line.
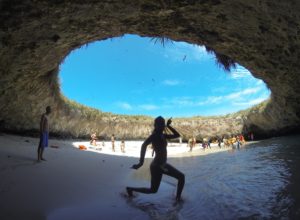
x=36, y=36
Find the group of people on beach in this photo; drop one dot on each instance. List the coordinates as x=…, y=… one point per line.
x=234, y=141
x=158, y=139
x=122, y=144
x=94, y=139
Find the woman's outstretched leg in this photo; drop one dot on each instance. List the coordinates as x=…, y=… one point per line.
x=156, y=175
x=173, y=172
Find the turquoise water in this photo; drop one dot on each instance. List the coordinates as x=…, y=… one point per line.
x=260, y=181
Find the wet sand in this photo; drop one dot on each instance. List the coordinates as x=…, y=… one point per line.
x=92, y=180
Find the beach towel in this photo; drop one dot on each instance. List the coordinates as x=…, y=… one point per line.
x=82, y=147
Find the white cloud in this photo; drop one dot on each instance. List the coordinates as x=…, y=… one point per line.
x=232, y=98
x=240, y=72
x=211, y=100
x=227, y=98
x=247, y=97
x=186, y=101
x=238, y=95
x=193, y=102
x=250, y=102
x=124, y=105
x=259, y=82
x=171, y=82
x=148, y=107
x=127, y=106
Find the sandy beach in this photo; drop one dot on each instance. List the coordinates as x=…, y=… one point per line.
x=72, y=183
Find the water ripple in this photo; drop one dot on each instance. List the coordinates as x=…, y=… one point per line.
x=252, y=183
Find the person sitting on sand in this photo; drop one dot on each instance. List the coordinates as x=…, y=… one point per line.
x=93, y=139
x=44, y=133
x=159, y=165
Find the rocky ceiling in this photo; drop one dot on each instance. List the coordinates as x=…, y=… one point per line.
x=36, y=36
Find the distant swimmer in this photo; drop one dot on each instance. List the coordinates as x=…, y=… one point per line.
x=44, y=133
x=159, y=165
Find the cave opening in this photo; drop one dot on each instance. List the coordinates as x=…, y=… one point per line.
x=258, y=182
x=136, y=75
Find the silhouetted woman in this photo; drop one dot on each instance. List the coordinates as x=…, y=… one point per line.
x=159, y=165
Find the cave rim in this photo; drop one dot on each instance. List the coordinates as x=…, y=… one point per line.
x=163, y=40
x=199, y=22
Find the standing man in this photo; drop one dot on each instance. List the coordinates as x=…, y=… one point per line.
x=194, y=141
x=44, y=133
x=219, y=142
x=190, y=144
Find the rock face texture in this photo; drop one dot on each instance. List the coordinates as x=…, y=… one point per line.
x=36, y=36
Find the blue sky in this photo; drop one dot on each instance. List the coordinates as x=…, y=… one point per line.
x=136, y=76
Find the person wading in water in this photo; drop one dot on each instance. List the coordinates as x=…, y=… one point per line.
x=159, y=165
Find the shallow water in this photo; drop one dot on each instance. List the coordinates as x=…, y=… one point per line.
x=256, y=182
x=259, y=181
